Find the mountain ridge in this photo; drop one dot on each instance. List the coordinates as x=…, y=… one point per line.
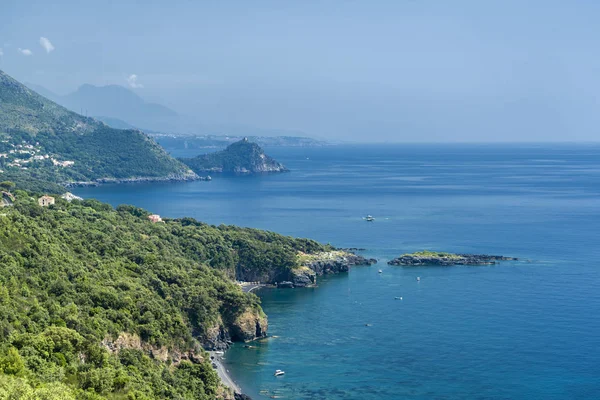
x=43, y=141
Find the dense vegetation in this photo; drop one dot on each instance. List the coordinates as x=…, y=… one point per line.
x=98, y=151
x=243, y=156
x=78, y=277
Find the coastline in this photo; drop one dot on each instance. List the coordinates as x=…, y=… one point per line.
x=217, y=359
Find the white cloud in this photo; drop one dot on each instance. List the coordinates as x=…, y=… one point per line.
x=46, y=44
x=25, y=52
x=133, y=83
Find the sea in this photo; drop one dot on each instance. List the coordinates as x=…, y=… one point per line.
x=527, y=329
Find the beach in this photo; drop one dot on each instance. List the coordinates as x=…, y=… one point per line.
x=217, y=359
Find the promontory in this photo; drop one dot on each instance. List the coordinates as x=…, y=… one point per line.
x=243, y=157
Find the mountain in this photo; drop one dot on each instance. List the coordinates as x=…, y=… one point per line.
x=116, y=102
x=116, y=105
x=241, y=157
x=41, y=141
x=115, y=122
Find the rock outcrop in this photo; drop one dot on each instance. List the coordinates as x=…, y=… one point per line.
x=249, y=325
x=313, y=265
x=241, y=157
x=447, y=259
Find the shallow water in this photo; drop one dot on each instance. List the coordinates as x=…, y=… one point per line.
x=519, y=330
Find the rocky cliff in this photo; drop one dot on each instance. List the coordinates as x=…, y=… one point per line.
x=330, y=262
x=249, y=325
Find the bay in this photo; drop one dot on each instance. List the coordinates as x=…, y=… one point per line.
x=518, y=330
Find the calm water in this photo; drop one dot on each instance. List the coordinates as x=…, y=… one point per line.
x=521, y=330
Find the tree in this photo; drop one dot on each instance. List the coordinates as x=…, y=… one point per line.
x=7, y=185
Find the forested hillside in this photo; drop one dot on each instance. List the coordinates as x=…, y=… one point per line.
x=41, y=141
x=98, y=303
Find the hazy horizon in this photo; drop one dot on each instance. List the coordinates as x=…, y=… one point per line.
x=385, y=71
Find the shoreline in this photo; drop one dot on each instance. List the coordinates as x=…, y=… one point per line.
x=223, y=373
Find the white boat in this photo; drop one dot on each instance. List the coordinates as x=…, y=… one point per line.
x=418, y=278
x=279, y=372
x=380, y=271
x=369, y=218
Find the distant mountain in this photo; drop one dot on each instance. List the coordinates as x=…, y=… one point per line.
x=243, y=157
x=116, y=102
x=41, y=141
x=177, y=143
x=115, y=122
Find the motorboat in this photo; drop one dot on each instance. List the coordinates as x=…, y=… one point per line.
x=279, y=372
x=369, y=218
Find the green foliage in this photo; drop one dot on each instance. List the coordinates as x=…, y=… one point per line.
x=7, y=185
x=97, y=150
x=428, y=253
x=76, y=275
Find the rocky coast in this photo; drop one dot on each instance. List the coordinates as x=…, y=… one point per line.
x=189, y=176
x=324, y=263
x=447, y=259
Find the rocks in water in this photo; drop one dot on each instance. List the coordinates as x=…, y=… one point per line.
x=241, y=396
x=303, y=277
x=285, y=285
x=334, y=262
x=447, y=259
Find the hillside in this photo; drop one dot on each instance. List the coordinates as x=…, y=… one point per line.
x=41, y=141
x=98, y=303
x=243, y=157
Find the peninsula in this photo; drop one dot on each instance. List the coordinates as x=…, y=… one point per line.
x=427, y=257
x=243, y=157
x=44, y=146
x=101, y=301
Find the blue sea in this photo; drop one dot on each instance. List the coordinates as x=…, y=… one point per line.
x=519, y=330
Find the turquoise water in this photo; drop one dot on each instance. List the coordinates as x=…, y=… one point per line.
x=520, y=330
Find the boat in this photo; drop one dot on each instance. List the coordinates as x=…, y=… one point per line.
x=279, y=372
x=369, y=218
x=380, y=271
x=418, y=279
x=398, y=298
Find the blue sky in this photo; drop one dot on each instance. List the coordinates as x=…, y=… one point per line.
x=403, y=70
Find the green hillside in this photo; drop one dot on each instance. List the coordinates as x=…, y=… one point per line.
x=43, y=142
x=98, y=303
x=239, y=157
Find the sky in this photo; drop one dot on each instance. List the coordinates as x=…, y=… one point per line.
x=377, y=70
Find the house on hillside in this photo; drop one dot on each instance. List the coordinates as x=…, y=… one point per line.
x=46, y=201
x=155, y=218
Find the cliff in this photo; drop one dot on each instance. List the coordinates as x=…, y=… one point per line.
x=242, y=157
x=322, y=263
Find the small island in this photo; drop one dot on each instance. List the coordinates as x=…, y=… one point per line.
x=427, y=257
x=243, y=157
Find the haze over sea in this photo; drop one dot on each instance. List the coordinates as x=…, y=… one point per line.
x=519, y=330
